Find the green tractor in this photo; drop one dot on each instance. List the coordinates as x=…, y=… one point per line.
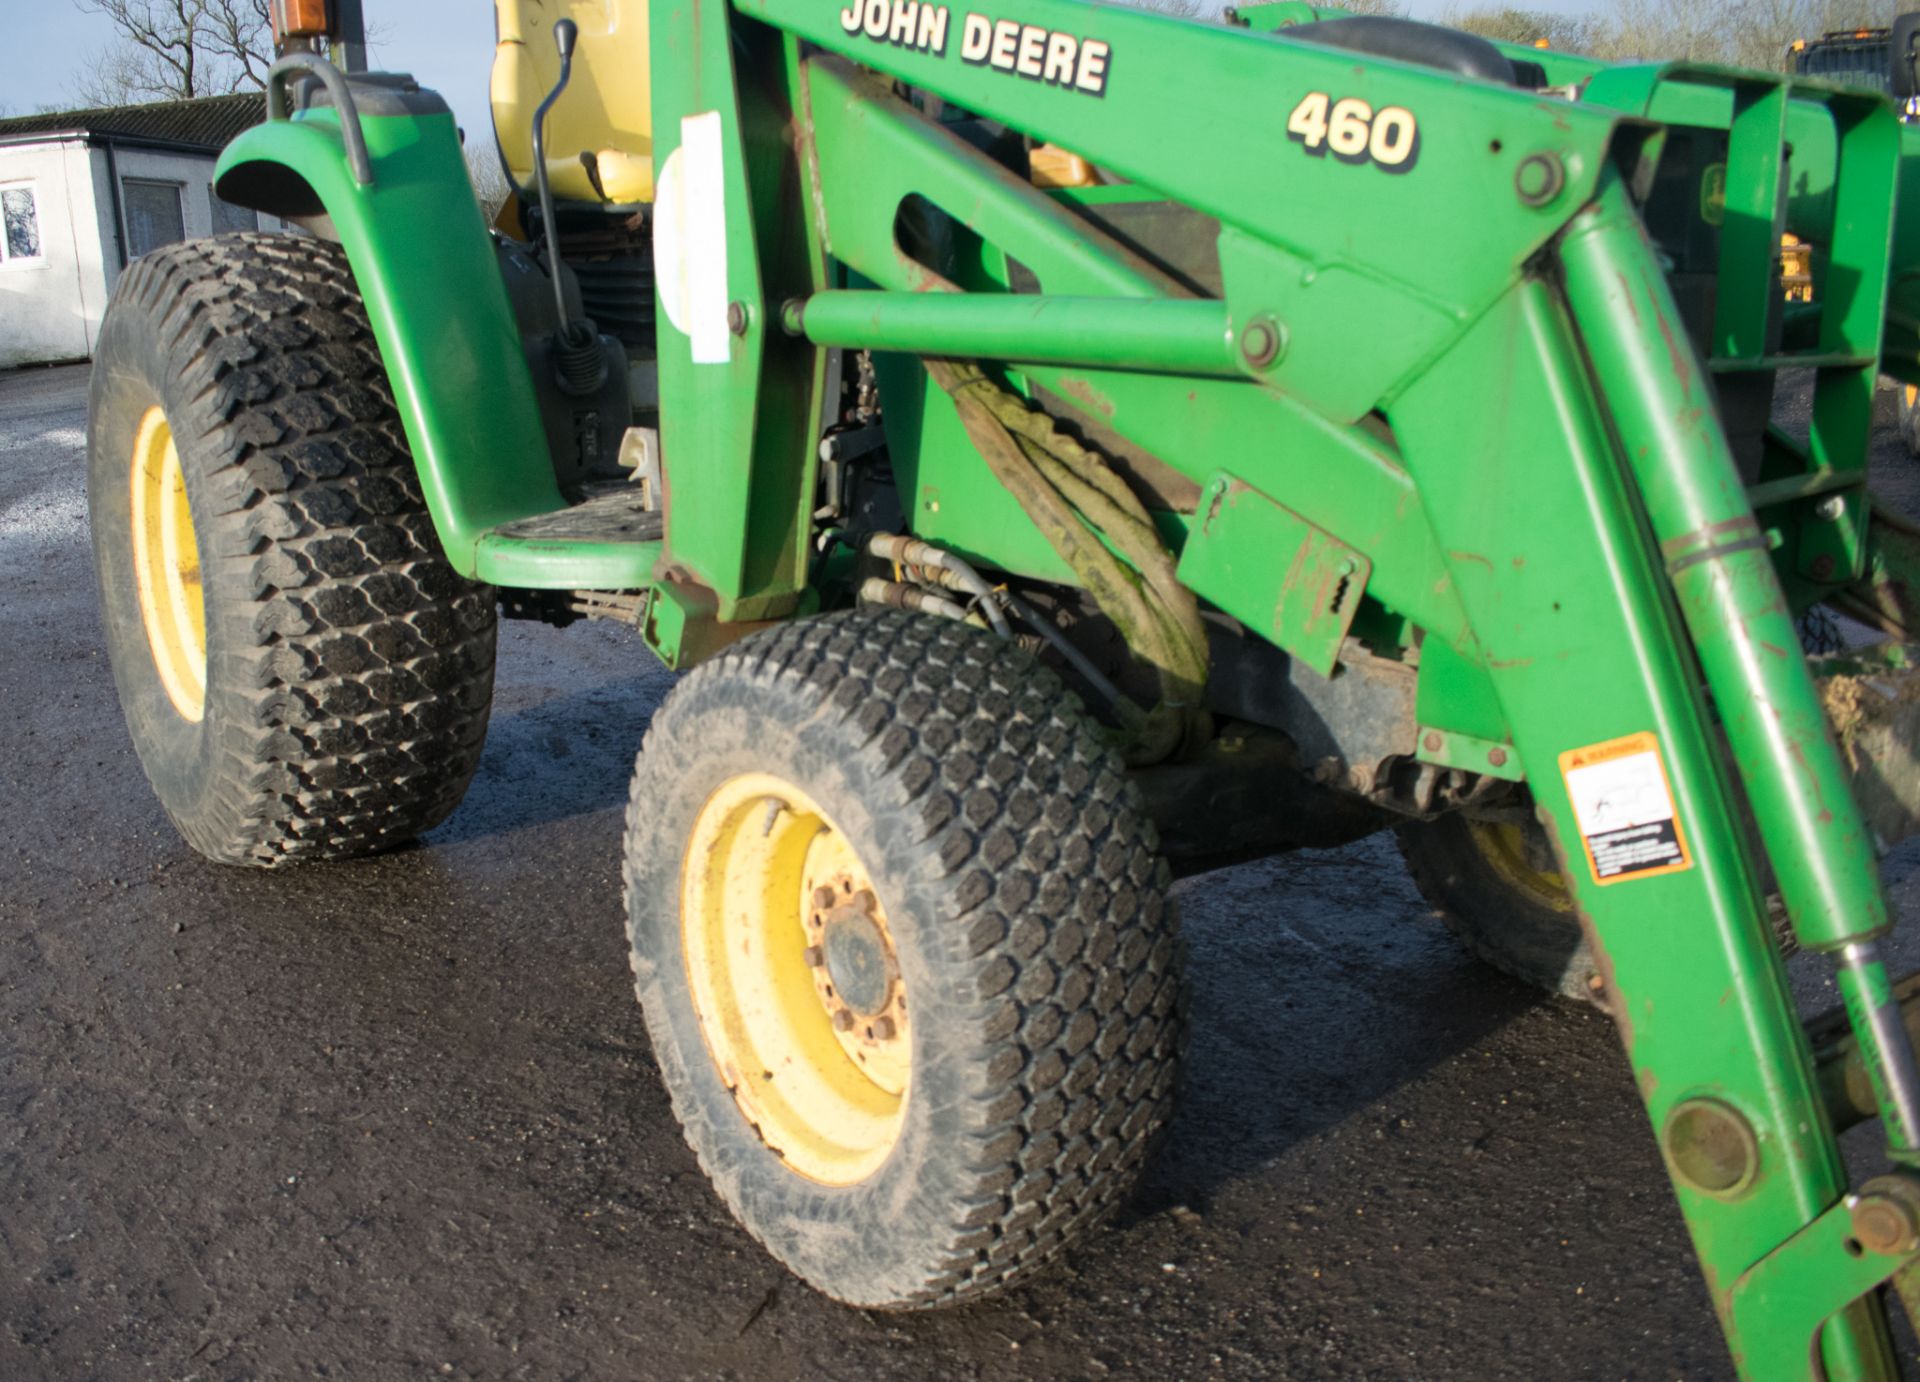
x=1061, y=451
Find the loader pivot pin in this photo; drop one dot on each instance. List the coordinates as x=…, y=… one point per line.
x=1886, y=1215
x=1711, y=1147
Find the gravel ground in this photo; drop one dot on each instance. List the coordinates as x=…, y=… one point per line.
x=399, y=1117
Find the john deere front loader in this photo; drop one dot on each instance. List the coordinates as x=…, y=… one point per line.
x=1063, y=445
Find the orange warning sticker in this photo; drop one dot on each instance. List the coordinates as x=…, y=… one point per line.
x=1623, y=805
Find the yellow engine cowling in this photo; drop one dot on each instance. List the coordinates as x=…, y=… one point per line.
x=603, y=124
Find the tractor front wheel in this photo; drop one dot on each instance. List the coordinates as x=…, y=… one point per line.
x=902, y=940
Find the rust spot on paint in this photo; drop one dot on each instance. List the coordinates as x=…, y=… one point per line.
x=1473, y=557
x=1626, y=291
x=1680, y=355
x=1080, y=391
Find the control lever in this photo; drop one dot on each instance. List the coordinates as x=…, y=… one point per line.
x=578, y=364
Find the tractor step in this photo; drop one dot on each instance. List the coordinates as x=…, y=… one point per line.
x=608, y=542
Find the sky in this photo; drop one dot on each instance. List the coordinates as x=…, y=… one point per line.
x=446, y=44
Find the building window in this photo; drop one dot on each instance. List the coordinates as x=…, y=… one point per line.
x=153, y=215
x=21, y=242
x=228, y=217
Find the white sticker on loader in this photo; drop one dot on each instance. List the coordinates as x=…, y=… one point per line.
x=690, y=239
x=1623, y=805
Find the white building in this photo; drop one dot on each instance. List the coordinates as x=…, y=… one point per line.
x=82, y=192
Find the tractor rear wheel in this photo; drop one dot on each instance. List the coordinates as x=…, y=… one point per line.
x=303, y=674
x=1497, y=886
x=902, y=940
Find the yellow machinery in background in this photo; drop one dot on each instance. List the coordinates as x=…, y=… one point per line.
x=600, y=132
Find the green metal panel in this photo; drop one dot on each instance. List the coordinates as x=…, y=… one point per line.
x=1245, y=543
x=1460, y=189
x=739, y=416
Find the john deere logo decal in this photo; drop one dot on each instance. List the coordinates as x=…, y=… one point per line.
x=1005, y=45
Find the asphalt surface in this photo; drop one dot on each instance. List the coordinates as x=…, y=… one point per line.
x=399, y=1117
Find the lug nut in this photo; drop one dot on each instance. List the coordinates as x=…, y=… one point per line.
x=864, y=900
x=882, y=1029
x=823, y=897
x=842, y=1021
x=814, y=956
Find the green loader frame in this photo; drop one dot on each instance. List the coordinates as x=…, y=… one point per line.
x=1426, y=404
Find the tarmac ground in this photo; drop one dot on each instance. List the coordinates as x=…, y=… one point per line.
x=399, y=1117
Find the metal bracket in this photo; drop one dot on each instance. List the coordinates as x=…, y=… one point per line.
x=1776, y=1310
x=1451, y=749
x=335, y=82
x=1242, y=532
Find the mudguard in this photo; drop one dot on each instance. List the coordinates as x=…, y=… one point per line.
x=421, y=258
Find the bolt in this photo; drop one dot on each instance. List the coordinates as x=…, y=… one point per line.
x=1263, y=342
x=737, y=318
x=1539, y=178
x=1498, y=758
x=1711, y=1147
x=1433, y=742
x=1830, y=508
x=814, y=956
x=1821, y=567
x=882, y=1029
x=1886, y=1215
x=842, y=1020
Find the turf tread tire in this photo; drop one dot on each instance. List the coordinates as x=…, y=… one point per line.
x=1037, y=881
x=349, y=668
x=1494, y=920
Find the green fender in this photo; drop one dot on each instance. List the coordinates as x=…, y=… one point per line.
x=424, y=265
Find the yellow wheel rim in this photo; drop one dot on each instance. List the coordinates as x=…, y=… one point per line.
x=1506, y=847
x=166, y=567
x=794, y=978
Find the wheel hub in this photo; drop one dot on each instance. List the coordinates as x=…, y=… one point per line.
x=794, y=979
x=856, y=958
x=166, y=567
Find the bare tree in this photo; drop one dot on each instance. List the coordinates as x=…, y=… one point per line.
x=177, y=49
x=1508, y=24
x=1749, y=33
x=489, y=179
